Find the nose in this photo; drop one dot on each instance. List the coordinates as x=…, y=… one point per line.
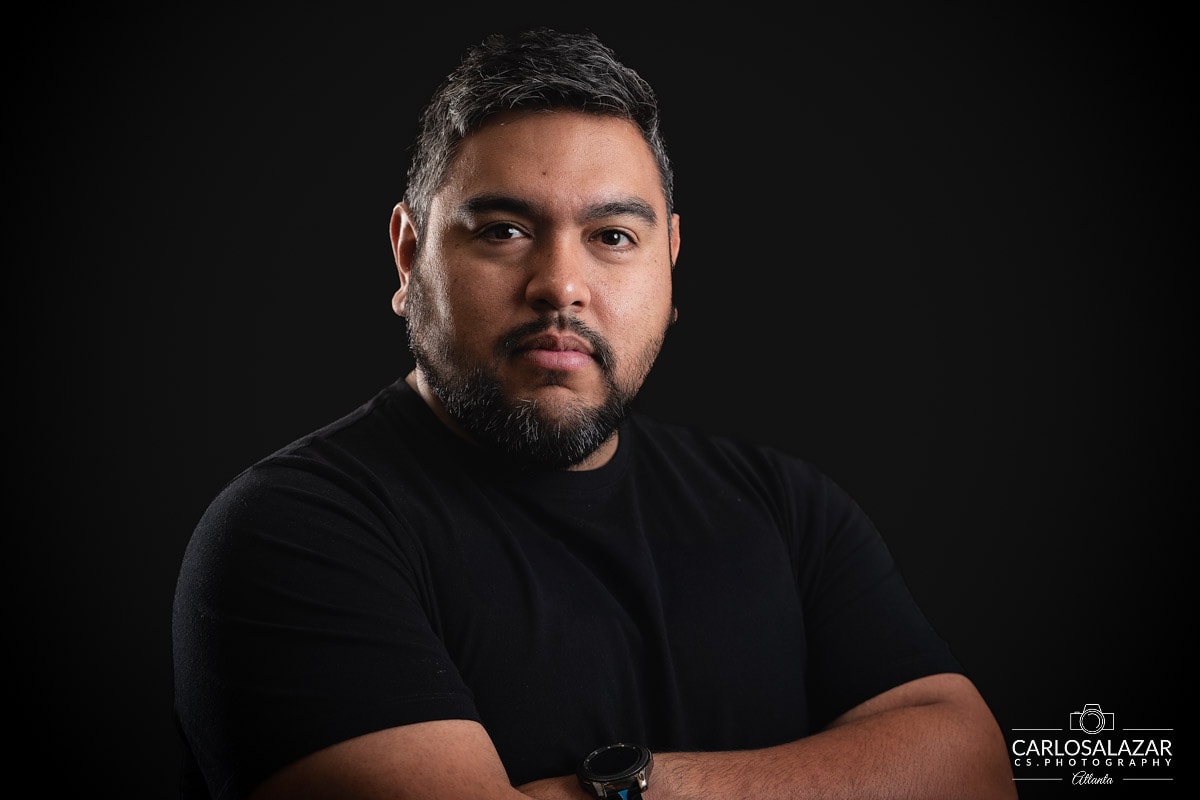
x=558, y=276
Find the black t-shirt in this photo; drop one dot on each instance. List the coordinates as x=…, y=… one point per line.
x=695, y=593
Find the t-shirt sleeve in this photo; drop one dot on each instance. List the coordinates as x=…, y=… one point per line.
x=300, y=621
x=866, y=633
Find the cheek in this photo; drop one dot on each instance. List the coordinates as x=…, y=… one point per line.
x=474, y=310
x=645, y=304
x=450, y=292
x=474, y=299
x=639, y=316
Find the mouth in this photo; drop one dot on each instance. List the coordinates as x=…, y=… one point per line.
x=555, y=343
x=558, y=344
x=557, y=352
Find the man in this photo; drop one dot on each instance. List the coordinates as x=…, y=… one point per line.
x=493, y=580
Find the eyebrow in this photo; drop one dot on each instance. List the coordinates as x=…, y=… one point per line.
x=629, y=206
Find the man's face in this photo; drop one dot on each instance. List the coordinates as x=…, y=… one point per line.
x=540, y=293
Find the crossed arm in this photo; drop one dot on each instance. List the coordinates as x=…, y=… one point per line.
x=930, y=738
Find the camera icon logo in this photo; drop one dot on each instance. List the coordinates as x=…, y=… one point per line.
x=1091, y=719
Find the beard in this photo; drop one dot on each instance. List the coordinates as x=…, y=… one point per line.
x=528, y=434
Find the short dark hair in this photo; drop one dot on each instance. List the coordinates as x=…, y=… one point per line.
x=537, y=69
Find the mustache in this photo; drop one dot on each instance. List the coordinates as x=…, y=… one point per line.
x=510, y=343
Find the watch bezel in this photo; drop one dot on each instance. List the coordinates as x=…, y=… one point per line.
x=636, y=776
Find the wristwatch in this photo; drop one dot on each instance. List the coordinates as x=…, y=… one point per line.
x=618, y=771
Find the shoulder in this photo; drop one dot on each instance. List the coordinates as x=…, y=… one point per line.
x=361, y=449
x=354, y=472
x=689, y=446
x=704, y=467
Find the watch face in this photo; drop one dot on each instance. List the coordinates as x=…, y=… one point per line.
x=618, y=760
x=619, y=770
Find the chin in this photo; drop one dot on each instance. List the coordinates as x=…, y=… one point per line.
x=558, y=405
x=550, y=387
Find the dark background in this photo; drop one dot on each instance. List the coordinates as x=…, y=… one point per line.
x=942, y=253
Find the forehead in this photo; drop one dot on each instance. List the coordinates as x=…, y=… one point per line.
x=555, y=157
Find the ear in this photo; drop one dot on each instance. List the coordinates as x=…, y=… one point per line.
x=674, y=239
x=674, y=258
x=404, y=248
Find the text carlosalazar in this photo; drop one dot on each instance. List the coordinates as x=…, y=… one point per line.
x=1128, y=752
x=1092, y=747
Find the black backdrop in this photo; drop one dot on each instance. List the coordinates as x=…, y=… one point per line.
x=939, y=252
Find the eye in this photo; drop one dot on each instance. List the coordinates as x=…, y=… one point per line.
x=502, y=232
x=612, y=237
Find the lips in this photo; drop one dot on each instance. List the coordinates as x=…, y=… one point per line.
x=557, y=352
x=556, y=343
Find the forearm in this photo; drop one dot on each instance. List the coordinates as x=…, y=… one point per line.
x=926, y=752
